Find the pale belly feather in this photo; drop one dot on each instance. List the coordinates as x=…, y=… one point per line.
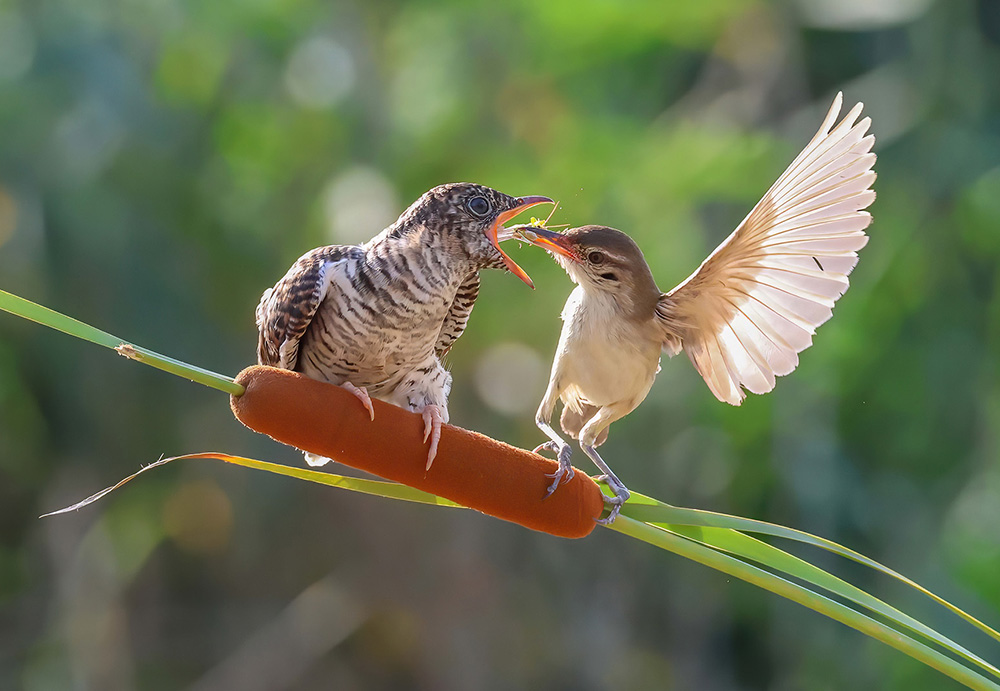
x=605, y=362
x=383, y=355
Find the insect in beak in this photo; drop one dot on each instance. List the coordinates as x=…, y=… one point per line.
x=494, y=232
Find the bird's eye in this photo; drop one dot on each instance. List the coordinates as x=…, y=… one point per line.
x=596, y=257
x=479, y=206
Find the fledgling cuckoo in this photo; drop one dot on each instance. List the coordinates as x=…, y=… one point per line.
x=742, y=317
x=377, y=318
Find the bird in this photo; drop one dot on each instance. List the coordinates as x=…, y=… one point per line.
x=378, y=318
x=742, y=317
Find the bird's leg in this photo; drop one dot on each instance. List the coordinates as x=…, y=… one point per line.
x=362, y=394
x=433, y=419
x=556, y=444
x=425, y=390
x=588, y=442
x=621, y=492
x=563, y=452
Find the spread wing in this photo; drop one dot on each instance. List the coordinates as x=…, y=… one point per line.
x=458, y=315
x=755, y=303
x=286, y=310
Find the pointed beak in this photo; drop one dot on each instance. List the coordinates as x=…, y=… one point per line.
x=549, y=240
x=504, y=216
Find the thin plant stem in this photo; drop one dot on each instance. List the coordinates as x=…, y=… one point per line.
x=74, y=327
x=737, y=568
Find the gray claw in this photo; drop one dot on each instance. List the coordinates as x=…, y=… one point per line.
x=547, y=446
x=616, y=502
x=565, y=472
x=565, y=454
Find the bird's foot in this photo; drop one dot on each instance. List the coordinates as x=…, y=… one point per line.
x=621, y=496
x=433, y=419
x=547, y=446
x=362, y=394
x=565, y=471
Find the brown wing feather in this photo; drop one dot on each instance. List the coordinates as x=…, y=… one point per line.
x=286, y=310
x=458, y=316
x=755, y=303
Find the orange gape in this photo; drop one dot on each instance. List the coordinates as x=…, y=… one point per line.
x=472, y=469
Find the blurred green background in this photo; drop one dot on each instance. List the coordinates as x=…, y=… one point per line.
x=164, y=161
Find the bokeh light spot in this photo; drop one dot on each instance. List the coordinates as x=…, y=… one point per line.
x=510, y=378
x=358, y=204
x=319, y=73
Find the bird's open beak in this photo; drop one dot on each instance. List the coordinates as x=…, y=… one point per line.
x=504, y=216
x=548, y=240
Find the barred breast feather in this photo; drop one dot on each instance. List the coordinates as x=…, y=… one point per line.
x=458, y=315
x=371, y=315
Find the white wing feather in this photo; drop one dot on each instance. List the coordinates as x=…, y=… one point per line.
x=755, y=303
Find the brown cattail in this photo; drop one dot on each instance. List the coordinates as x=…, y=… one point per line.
x=472, y=469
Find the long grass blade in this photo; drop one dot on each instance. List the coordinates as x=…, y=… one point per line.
x=68, y=325
x=747, y=547
x=706, y=544
x=647, y=509
x=378, y=488
x=678, y=544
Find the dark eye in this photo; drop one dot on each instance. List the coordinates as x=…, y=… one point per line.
x=596, y=257
x=479, y=206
